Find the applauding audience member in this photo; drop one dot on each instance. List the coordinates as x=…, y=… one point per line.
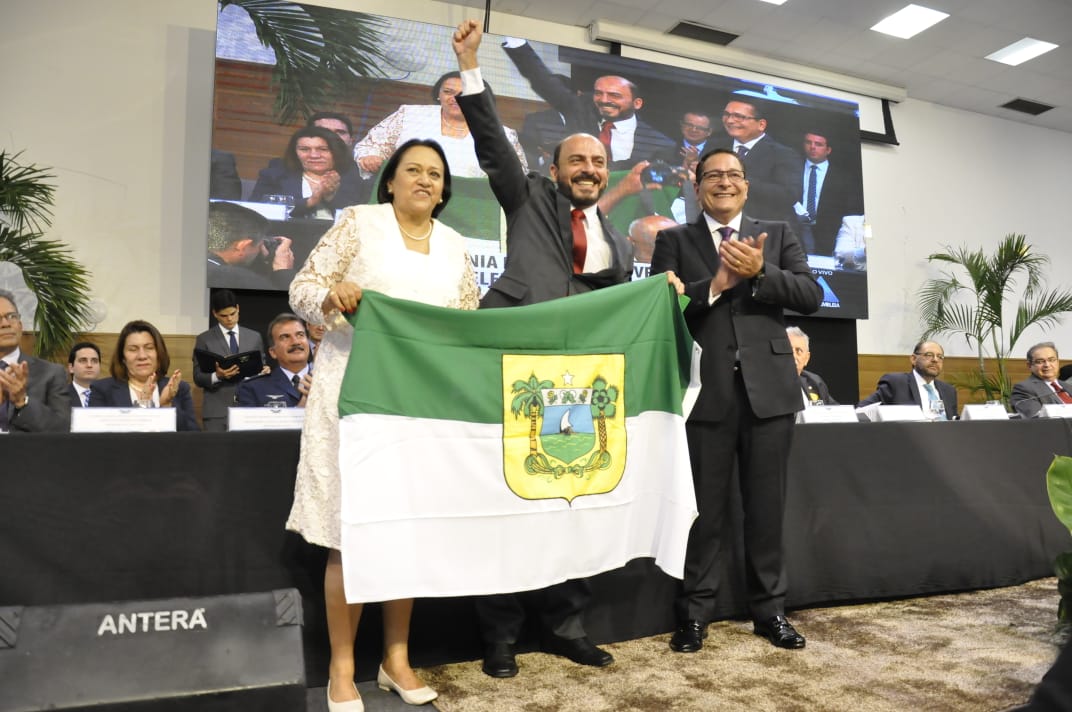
x=83, y=364
x=288, y=383
x=33, y=392
x=140, y=377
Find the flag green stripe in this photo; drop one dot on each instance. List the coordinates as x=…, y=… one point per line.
x=428, y=362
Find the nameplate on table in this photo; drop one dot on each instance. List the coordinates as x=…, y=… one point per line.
x=879, y=413
x=265, y=418
x=123, y=420
x=984, y=411
x=1056, y=410
x=827, y=414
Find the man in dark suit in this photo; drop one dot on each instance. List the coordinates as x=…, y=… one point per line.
x=610, y=111
x=33, y=392
x=919, y=386
x=773, y=169
x=812, y=386
x=1043, y=385
x=240, y=253
x=292, y=377
x=223, y=180
x=226, y=339
x=740, y=274
x=558, y=243
x=83, y=365
x=827, y=194
x=695, y=131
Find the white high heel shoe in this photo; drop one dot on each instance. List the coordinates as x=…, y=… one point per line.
x=420, y=696
x=348, y=706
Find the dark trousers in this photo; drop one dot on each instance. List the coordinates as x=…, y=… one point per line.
x=561, y=608
x=760, y=449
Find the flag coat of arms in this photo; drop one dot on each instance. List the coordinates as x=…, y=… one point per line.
x=509, y=449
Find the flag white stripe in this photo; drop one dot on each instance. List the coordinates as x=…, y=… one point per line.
x=426, y=510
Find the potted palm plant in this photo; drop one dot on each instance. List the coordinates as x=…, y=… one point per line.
x=59, y=282
x=973, y=298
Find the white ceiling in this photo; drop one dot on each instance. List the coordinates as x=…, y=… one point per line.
x=944, y=64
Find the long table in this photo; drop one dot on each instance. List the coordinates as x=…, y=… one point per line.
x=875, y=510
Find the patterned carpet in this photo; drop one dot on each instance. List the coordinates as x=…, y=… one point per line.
x=975, y=652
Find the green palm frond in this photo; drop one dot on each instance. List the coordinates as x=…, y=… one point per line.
x=975, y=307
x=322, y=54
x=60, y=282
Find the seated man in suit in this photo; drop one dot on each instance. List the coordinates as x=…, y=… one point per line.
x=292, y=377
x=226, y=338
x=919, y=386
x=83, y=363
x=1042, y=386
x=33, y=392
x=813, y=387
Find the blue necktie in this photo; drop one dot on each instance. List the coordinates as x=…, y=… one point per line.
x=810, y=207
x=233, y=341
x=932, y=394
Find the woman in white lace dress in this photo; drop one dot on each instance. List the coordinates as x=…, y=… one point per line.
x=399, y=249
x=442, y=121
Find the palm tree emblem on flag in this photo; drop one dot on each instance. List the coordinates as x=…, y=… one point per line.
x=563, y=436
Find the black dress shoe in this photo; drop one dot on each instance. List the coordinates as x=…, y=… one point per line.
x=688, y=638
x=580, y=650
x=499, y=660
x=779, y=632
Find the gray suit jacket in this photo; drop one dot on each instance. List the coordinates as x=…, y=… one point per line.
x=745, y=322
x=220, y=396
x=539, y=240
x=49, y=407
x=1028, y=396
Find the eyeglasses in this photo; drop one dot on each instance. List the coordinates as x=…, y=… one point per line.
x=717, y=176
x=1044, y=361
x=931, y=356
x=736, y=117
x=10, y=316
x=697, y=127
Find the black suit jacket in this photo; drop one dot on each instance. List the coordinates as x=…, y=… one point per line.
x=900, y=389
x=74, y=395
x=539, y=239
x=113, y=393
x=581, y=114
x=48, y=409
x=254, y=391
x=839, y=197
x=815, y=388
x=255, y=276
x=746, y=322
x=774, y=174
x=223, y=180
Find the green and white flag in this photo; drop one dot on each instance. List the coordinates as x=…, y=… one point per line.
x=509, y=449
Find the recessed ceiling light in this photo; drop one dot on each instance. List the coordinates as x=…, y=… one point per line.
x=909, y=21
x=774, y=2
x=1020, y=52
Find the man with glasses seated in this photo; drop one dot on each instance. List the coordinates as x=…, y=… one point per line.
x=1042, y=386
x=33, y=392
x=919, y=386
x=773, y=169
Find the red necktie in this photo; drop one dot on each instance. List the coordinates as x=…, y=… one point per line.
x=580, y=240
x=1061, y=392
x=604, y=136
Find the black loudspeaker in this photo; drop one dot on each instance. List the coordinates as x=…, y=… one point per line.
x=241, y=652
